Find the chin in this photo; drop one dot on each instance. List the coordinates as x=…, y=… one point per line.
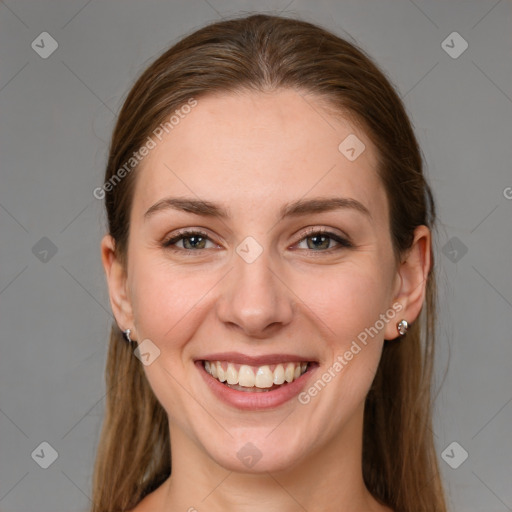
x=257, y=454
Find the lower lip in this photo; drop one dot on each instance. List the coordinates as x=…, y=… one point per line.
x=255, y=400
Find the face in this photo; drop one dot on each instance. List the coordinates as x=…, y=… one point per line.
x=297, y=267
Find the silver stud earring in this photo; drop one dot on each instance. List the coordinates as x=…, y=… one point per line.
x=127, y=335
x=402, y=327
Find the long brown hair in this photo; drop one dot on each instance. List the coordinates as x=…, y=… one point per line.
x=265, y=53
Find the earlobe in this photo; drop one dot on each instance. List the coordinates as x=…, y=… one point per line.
x=116, y=280
x=413, y=273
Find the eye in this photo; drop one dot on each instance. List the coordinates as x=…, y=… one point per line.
x=191, y=240
x=322, y=238
x=195, y=239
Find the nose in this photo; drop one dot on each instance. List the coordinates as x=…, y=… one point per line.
x=254, y=299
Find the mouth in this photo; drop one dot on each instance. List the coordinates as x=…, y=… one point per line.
x=255, y=383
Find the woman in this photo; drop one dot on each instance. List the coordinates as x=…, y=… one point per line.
x=270, y=270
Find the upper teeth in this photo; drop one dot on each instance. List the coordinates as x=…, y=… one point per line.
x=260, y=376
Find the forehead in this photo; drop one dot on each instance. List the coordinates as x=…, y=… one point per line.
x=261, y=150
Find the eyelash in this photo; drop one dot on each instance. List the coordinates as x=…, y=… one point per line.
x=343, y=242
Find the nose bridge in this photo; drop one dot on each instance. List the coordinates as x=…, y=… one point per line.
x=254, y=297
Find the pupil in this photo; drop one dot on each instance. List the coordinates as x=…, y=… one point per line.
x=194, y=241
x=319, y=238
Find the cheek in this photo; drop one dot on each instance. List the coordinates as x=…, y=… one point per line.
x=347, y=301
x=166, y=299
x=347, y=309
x=167, y=308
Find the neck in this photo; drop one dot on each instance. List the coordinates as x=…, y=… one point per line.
x=329, y=478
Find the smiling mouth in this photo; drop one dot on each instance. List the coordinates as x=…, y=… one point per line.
x=256, y=379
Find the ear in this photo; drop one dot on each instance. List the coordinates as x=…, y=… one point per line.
x=116, y=280
x=411, y=281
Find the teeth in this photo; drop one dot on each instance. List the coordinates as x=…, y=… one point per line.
x=231, y=375
x=289, y=372
x=279, y=374
x=246, y=377
x=220, y=372
x=260, y=377
x=264, y=377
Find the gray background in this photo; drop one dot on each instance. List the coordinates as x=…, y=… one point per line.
x=57, y=115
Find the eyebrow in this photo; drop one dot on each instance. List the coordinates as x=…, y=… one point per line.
x=293, y=209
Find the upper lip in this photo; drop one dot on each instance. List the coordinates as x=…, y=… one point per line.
x=238, y=358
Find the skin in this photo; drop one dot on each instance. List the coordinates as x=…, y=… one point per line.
x=254, y=152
